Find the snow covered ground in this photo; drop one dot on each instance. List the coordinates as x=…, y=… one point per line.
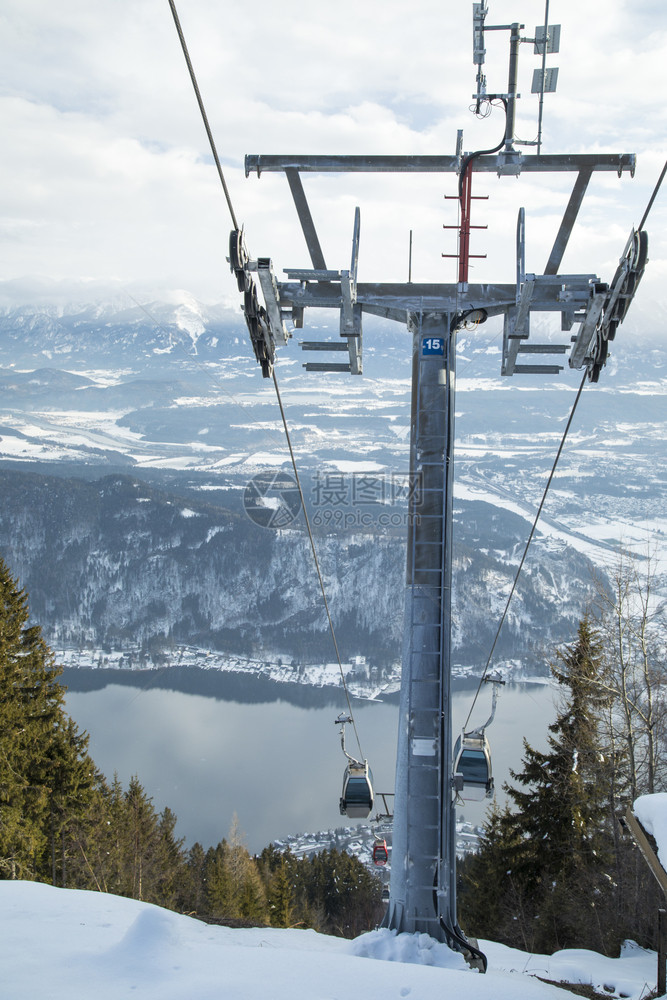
x=358, y=675
x=66, y=944
x=651, y=811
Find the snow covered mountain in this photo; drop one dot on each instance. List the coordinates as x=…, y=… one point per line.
x=117, y=330
x=129, y=433
x=122, y=564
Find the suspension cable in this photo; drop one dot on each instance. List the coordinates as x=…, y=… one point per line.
x=203, y=112
x=652, y=198
x=546, y=488
x=275, y=381
x=530, y=538
x=316, y=561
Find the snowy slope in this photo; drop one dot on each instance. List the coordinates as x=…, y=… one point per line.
x=64, y=944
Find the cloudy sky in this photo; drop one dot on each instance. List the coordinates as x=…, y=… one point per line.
x=105, y=173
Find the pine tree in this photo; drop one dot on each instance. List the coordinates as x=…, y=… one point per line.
x=73, y=782
x=122, y=845
x=142, y=831
x=193, y=893
x=220, y=902
x=280, y=896
x=491, y=894
x=171, y=863
x=550, y=855
x=45, y=772
x=151, y=860
x=90, y=842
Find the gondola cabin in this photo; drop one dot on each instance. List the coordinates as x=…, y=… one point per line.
x=473, y=779
x=380, y=852
x=357, y=798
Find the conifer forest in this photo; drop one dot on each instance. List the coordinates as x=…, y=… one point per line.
x=554, y=869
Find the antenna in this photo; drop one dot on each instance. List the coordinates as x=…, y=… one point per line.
x=547, y=39
x=479, y=12
x=545, y=79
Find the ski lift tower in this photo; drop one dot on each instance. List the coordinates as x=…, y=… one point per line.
x=423, y=877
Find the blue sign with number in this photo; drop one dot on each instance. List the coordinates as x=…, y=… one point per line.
x=433, y=345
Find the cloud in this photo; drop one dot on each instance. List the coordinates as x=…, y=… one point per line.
x=106, y=171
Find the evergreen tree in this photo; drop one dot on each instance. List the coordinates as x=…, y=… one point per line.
x=219, y=894
x=45, y=772
x=73, y=781
x=171, y=863
x=141, y=831
x=122, y=845
x=280, y=896
x=193, y=887
x=548, y=859
x=90, y=842
x=150, y=861
x=491, y=888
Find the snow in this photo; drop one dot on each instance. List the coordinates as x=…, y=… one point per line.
x=651, y=811
x=265, y=458
x=271, y=666
x=68, y=944
x=593, y=541
x=345, y=465
x=631, y=975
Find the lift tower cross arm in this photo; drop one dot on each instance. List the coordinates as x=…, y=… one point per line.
x=576, y=297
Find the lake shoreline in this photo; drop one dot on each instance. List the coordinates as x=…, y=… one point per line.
x=232, y=686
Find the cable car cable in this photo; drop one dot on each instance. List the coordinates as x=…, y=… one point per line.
x=203, y=112
x=216, y=158
x=553, y=470
x=530, y=538
x=316, y=561
x=652, y=198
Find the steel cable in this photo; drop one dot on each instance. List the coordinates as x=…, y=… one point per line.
x=546, y=489
x=203, y=112
x=200, y=102
x=316, y=561
x=525, y=551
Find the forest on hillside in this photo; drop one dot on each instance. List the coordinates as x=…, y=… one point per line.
x=553, y=869
x=62, y=822
x=119, y=563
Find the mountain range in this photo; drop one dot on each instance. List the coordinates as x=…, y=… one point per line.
x=129, y=434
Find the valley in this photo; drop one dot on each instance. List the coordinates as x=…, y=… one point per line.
x=128, y=436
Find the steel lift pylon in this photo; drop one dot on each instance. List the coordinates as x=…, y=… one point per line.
x=423, y=875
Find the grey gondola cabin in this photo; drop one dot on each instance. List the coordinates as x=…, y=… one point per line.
x=357, y=798
x=473, y=779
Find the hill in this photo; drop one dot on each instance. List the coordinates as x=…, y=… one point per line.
x=129, y=433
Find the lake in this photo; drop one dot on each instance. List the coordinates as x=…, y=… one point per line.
x=277, y=765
